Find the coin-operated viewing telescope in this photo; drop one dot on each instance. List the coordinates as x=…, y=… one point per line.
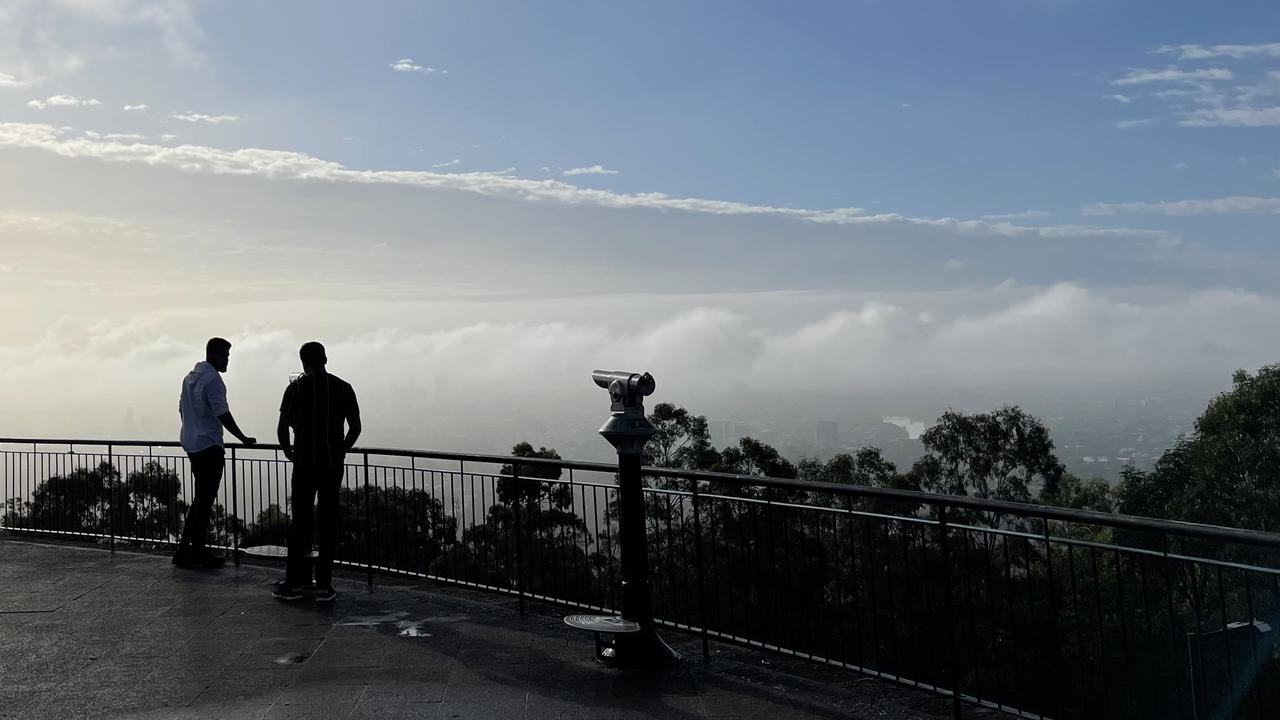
x=627, y=429
x=633, y=637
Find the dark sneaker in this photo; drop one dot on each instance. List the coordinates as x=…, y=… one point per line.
x=212, y=561
x=287, y=592
x=186, y=560
x=325, y=594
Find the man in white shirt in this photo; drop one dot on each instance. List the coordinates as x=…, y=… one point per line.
x=204, y=412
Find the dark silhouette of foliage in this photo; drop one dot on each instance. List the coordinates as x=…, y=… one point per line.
x=405, y=528
x=532, y=529
x=270, y=527
x=682, y=440
x=1002, y=455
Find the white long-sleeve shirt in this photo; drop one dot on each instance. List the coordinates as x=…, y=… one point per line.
x=203, y=399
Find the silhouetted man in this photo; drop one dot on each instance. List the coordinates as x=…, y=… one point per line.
x=204, y=412
x=316, y=405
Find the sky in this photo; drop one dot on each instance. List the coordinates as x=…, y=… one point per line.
x=475, y=203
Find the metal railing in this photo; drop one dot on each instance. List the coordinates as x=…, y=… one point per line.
x=1031, y=610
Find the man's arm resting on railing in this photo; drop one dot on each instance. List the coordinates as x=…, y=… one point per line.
x=229, y=423
x=282, y=436
x=353, y=430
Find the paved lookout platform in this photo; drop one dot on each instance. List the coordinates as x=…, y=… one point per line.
x=89, y=634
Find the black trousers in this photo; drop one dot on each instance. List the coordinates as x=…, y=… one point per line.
x=206, y=468
x=315, y=516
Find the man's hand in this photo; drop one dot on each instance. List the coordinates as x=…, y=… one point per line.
x=229, y=423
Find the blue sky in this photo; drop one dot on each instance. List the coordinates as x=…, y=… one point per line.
x=937, y=108
x=994, y=194
x=940, y=109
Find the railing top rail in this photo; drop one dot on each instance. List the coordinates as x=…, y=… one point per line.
x=1041, y=512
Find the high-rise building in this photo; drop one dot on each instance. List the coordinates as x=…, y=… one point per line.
x=826, y=433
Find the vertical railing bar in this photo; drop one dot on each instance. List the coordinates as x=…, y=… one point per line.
x=518, y=501
x=821, y=588
x=871, y=569
x=1195, y=587
x=1226, y=636
x=773, y=566
x=1075, y=617
x=368, y=520
x=953, y=657
x=1055, y=638
x=1253, y=646
x=853, y=574
x=701, y=570
x=1103, y=665
x=973, y=622
x=1174, y=645
x=1032, y=625
x=913, y=642
x=579, y=533
x=1017, y=690
x=596, y=596
x=925, y=577
x=111, y=496
x=611, y=590
x=1125, y=654
x=893, y=606
x=786, y=559
x=235, y=511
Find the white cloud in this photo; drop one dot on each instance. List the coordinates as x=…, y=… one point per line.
x=1140, y=76
x=1123, y=99
x=1235, y=205
x=168, y=136
x=1180, y=165
x=592, y=170
x=407, y=65
x=194, y=117
x=1198, y=98
x=63, y=101
x=1231, y=117
x=955, y=265
x=1024, y=215
x=285, y=165
x=63, y=37
x=136, y=108
x=1202, y=52
x=1139, y=122
x=451, y=163
x=10, y=81
x=114, y=136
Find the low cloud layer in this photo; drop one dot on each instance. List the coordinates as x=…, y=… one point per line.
x=997, y=345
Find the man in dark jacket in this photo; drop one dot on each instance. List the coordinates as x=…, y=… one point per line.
x=323, y=413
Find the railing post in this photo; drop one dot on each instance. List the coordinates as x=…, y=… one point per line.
x=235, y=512
x=1053, y=607
x=953, y=657
x=515, y=488
x=111, y=496
x=368, y=520
x=702, y=592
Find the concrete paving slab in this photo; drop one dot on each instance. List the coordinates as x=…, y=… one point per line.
x=90, y=634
